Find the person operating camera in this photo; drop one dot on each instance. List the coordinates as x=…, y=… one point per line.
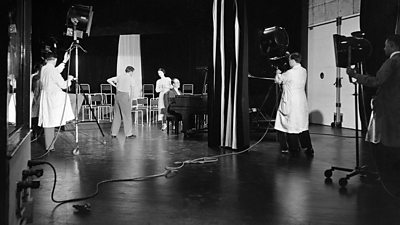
x=292, y=115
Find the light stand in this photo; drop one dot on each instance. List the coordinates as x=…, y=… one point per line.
x=75, y=46
x=358, y=170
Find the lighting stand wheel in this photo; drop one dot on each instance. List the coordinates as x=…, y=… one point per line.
x=328, y=173
x=343, y=182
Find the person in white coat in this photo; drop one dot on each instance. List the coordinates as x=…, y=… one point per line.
x=55, y=106
x=163, y=85
x=292, y=115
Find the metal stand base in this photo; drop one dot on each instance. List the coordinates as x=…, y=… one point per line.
x=362, y=171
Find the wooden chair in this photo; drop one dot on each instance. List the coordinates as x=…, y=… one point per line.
x=148, y=90
x=143, y=104
x=134, y=109
x=106, y=88
x=153, y=109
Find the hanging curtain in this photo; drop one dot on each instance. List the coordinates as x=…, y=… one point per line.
x=129, y=55
x=229, y=85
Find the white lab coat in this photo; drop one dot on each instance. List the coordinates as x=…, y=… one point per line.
x=292, y=114
x=55, y=105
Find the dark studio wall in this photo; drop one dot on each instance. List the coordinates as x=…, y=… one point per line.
x=175, y=35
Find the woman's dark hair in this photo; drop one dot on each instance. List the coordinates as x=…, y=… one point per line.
x=161, y=69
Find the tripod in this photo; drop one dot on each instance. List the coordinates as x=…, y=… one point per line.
x=265, y=118
x=75, y=45
x=358, y=170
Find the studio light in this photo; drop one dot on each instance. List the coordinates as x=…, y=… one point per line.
x=273, y=42
x=79, y=18
x=351, y=50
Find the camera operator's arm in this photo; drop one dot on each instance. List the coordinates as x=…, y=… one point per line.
x=278, y=76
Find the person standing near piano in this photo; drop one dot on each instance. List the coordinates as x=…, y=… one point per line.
x=163, y=85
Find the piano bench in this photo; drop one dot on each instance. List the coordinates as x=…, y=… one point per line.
x=174, y=122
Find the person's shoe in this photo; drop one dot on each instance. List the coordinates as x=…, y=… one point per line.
x=164, y=126
x=113, y=136
x=131, y=136
x=309, y=152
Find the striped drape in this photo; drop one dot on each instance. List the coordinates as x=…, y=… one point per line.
x=229, y=92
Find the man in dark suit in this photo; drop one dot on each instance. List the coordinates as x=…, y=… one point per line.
x=169, y=99
x=384, y=128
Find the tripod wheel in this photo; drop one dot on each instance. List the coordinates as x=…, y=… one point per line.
x=343, y=182
x=328, y=173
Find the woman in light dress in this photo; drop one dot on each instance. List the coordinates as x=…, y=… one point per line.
x=163, y=85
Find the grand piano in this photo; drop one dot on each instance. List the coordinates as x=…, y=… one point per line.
x=193, y=108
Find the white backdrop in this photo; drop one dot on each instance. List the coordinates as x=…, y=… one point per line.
x=129, y=55
x=321, y=59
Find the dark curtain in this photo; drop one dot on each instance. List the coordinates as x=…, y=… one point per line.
x=5, y=6
x=373, y=13
x=229, y=114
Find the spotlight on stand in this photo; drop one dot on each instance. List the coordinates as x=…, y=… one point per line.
x=79, y=18
x=351, y=51
x=354, y=49
x=273, y=42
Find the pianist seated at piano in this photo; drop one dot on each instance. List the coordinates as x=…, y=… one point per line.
x=170, y=102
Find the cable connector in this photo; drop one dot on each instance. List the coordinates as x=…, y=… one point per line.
x=85, y=208
x=37, y=172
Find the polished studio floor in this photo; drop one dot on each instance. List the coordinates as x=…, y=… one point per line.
x=258, y=187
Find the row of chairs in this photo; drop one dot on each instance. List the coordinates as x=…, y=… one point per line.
x=148, y=89
x=102, y=106
x=104, y=88
x=100, y=103
x=141, y=106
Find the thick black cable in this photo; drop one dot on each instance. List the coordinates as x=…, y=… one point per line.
x=166, y=174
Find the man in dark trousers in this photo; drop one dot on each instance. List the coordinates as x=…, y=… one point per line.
x=384, y=127
x=125, y=85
